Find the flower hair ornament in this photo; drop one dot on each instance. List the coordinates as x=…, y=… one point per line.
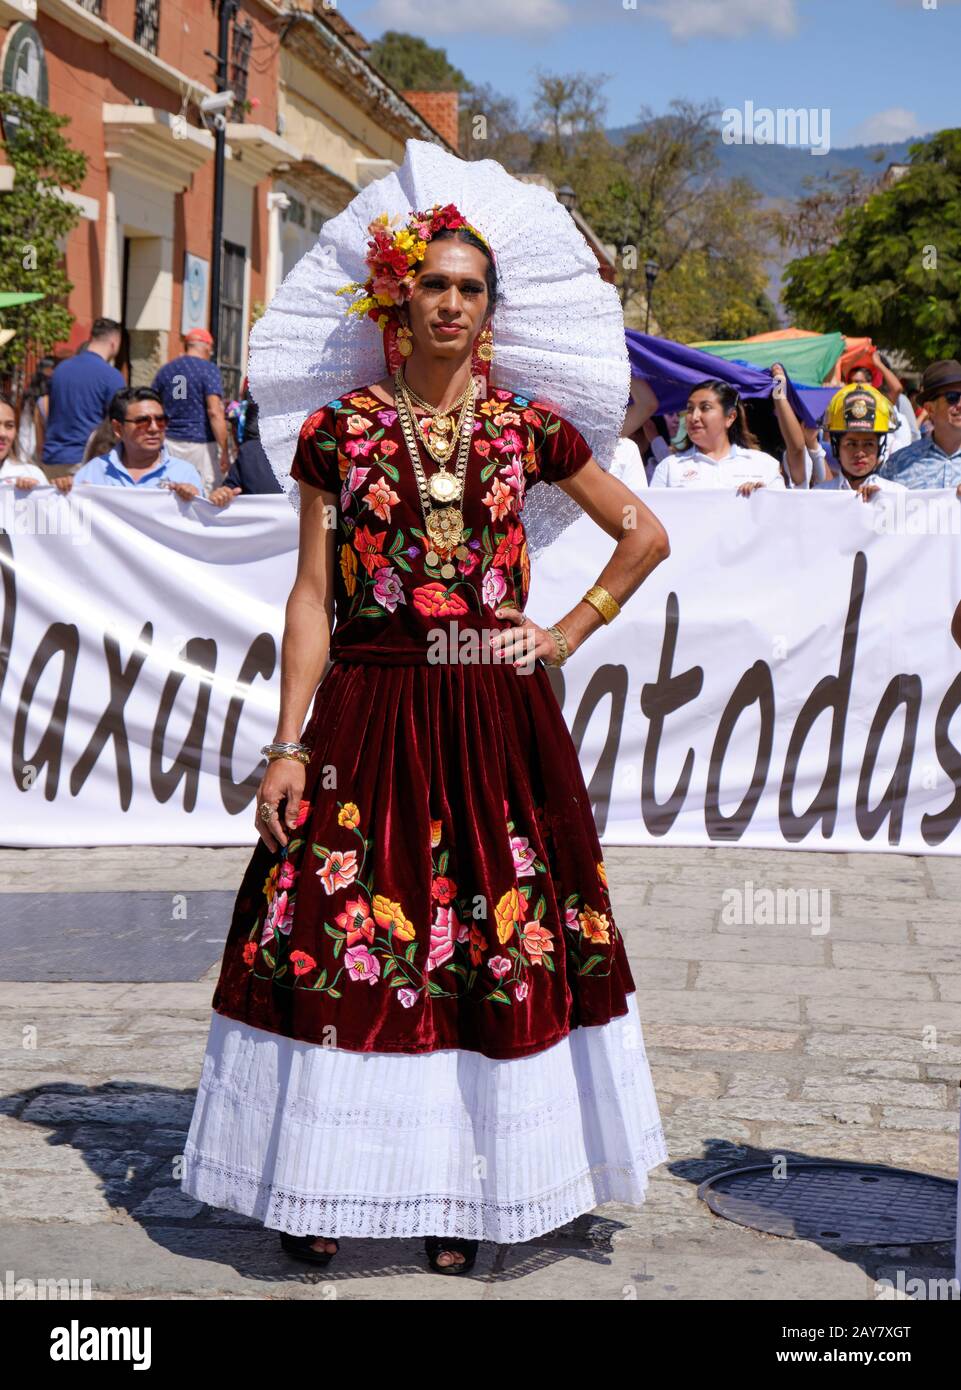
x=393, y=254
x=560, y=327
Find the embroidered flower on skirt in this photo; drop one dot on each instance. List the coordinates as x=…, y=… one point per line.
x=490, y=952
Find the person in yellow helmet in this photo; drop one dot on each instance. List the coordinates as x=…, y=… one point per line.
x=858, y=420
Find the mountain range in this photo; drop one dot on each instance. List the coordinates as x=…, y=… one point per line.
x=778, y=171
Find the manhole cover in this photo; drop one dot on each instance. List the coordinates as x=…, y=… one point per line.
x=847, y=1203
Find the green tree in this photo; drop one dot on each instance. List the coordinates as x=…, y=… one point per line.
x=811, y=223
x=895, y=269
x=492, y=127
x=709, y=297
x=412, y=65
x=656, y=197
x=34, y=222
x=568, y=114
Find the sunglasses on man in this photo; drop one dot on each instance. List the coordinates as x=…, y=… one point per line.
x=952, y=397
x=143, y=422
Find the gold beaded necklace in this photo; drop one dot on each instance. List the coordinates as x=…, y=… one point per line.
x=441, y=434
x=444, y=524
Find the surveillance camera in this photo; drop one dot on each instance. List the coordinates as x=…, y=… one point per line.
x=217, y=103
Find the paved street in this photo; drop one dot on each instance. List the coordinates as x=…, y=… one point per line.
x=836, y=1038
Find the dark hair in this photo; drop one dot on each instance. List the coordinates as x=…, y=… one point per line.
x=128, y=395
x=102, y=328
x=471, y=239
x=100, y=442
x=660, y=424
x=37, y=386
x=14, y=443
x=728, y=399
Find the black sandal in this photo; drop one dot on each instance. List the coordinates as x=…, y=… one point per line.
x=435, y=1245
x=302, y=1248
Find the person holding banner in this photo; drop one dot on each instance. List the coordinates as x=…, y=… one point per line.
x=858, y=420
x=934, y=460
x=13, y=469
x=721, y=451
x=425, y=1023
x=139, y=457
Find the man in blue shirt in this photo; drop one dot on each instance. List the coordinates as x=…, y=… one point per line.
x=934, y=460
x=139, y=458
x=192, y=392
x=80, y=392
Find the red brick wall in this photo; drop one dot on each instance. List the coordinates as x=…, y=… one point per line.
x=83, y=74
x=439, y=109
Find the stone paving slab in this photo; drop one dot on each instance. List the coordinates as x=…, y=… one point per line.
x=92, y=935
x=763, y=1039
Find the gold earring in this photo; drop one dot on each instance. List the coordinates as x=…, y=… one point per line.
x=485, y=345
x=405, y=345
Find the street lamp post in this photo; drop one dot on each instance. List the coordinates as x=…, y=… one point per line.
x=567, y=197
x=651, y=269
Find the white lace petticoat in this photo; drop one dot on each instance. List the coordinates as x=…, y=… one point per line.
x=319, y=1140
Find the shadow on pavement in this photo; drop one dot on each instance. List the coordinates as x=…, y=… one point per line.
x=131, y=1135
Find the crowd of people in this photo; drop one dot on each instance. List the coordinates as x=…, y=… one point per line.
x=872, y=437
x=79, y=422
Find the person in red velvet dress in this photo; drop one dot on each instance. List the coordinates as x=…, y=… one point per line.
x=425, y=1022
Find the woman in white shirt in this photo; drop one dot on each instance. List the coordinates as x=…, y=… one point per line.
x=721, y=452
x=628, y=465
x=12, y=468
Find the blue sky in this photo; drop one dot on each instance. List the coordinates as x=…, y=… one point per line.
x=885, y=69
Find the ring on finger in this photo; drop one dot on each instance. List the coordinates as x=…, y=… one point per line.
x=267, y=811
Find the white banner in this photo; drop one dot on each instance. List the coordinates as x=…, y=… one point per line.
x=787, y=678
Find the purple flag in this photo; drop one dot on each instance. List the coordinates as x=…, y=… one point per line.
x=672, y=369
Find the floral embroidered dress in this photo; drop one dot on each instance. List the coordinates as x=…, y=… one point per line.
x=433, y=957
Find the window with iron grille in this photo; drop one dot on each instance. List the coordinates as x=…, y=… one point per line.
x=317, y=220
x=91, y=6
x=146, y=27
x=230, y=340
x=241, y=40
x=295, y=211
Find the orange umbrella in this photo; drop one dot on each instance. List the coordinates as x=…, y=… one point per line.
x=778, y=333
x=857, y=353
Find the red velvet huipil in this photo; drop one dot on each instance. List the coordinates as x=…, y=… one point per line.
x=445, y=887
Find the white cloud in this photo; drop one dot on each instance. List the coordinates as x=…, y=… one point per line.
x=430, y=17
x=895, y=123
x=725, y=19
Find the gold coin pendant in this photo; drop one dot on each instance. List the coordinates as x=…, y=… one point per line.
x=443, y=487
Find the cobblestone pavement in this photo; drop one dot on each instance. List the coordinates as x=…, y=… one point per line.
x=835, y=1037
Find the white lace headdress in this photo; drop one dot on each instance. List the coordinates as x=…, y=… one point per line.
x=558, y=327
